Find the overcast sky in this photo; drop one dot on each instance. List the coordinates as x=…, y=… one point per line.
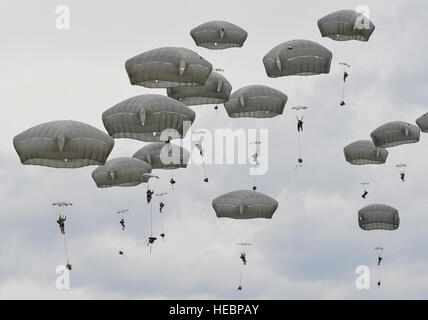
x=313, y=244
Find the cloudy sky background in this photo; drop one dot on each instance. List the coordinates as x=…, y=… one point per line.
x=313, y=244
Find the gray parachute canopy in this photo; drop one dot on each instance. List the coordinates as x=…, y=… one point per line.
x=121, y=172
x=168, y=67
x=145, y=117
x=217, y=35
x=244, y=204
x=256, y=101
x=364, y=152
x=422, y=122
x=346, y=25
x=163, y=155
x=216, y=89
x=63, y=144
x=297, y=57
x=378, y=217
x=394, y=133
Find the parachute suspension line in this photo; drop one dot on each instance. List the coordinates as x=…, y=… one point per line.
x=205, y=171
x=65, y=185
x=346, y=67
x=240, y=279
x=379, y=251
x=121, y=239
x=151, y=219
x=299, y=160
x=66, y=248
x=379, y=274
x=62, y=209
x=343, y=91
x=162, y=223
x=151, y=226
x=203, y=168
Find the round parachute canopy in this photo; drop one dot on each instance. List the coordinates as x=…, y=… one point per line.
x=297, y=57
x=395, y=133
x=148, y=117
x=63, y=144
x=168, y=67
x=378, y=217
x=121, y=172
x=364, y=152
x=216, y=35
x=256, y=102
x=244, y=204
x=422, y=122
x=346, y=25
x=215, y=90
x=163, y=155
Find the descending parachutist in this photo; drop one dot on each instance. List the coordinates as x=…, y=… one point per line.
x=299, y=124
x=151, y=240
x=299, y=163
x=345, y=75
x=401, y=168
x=149, y=194
x=161, y=205
x=68, y=265
x=61, y=222
x=365, y=186
x=243, y=258
x=256, y=158
x=199, y=146
x=379, y=259
x=122, y=222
